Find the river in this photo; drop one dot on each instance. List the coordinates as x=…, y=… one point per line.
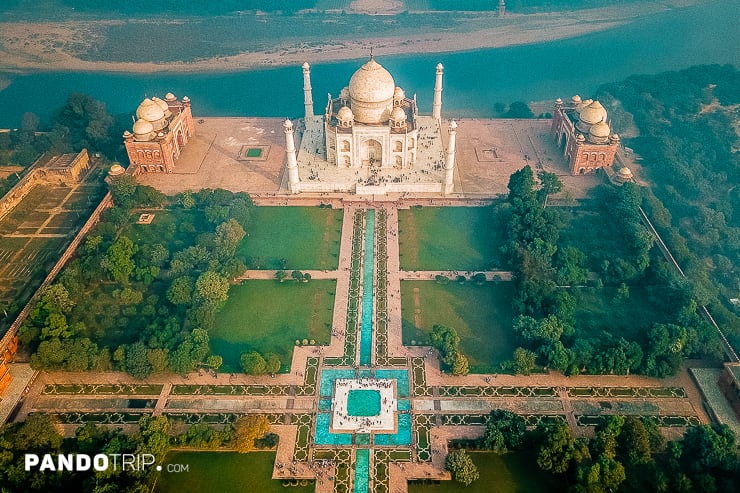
x=474, y=81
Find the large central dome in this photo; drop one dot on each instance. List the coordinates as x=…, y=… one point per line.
x=371, y=91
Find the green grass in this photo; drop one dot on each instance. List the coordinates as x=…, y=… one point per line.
x=223, y=472
x=448, y=238
x=481, y=315
x=254, y=152
x=269, y=316
x=307, y=237
x=596, y=310
x=510, y=473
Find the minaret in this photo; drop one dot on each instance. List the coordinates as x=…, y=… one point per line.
x=437, y=107
x=501, y=8
x=307, y=99
x=292, y=163
x=450, y=163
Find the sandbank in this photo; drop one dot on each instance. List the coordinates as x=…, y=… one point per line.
x=57, y=46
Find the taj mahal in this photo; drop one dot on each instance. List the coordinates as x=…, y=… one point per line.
x=371, y=139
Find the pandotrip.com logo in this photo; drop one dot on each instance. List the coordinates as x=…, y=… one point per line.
x=85, y=462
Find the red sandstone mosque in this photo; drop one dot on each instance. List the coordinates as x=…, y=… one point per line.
x=161, y=130
x=584, y=135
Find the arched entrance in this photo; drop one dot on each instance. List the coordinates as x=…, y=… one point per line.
x=372, y=152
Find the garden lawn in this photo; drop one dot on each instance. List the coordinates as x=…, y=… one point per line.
x=306, y=237
x=596, y=310
x=449, y=238
x=509, y=473
x=268, y=316
x=223, y=472
x=481, y=315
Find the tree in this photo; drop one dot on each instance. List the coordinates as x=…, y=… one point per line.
x=253, y=363
x=519, y=109
x=137, y=363
x=86, y=121
x=215, y=361
x=549, y=184
x=463, y=470
x=297, y=275
x=460, y=366
x=524, y=361
x=633, y=446
x=211, y=288
x=280, y=275
x=504, y=431
x=247, y=429
x=123, y=188
x=272, y=363
x=228, y=236
x=118, y=261
x=557, y=449
x=180, y=291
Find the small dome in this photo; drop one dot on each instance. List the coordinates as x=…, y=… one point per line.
x=575, y=99
x=126, y=133
x=345, y=114
x=398, y=115
x=149, y=111
x=625, y=173
x=170, y=97
x=600, y=130
x=582, y=105
x=593, y=113
x=580, y=138
x=440, y=67
x=306, y=66
x=398, y=94
x=143, y=127
x=558, y=101
x=614, y=138
x=371, y=83
x=116, y=170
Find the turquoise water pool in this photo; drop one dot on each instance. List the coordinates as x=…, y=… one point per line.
x=363, y=403
x=402, y=437
x=362, y=470
x=366, y=331
x=324, y=437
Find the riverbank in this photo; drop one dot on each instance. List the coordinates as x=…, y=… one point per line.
x=71, y=45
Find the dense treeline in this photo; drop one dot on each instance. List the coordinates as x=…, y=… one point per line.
x=688, y=143
x=142, y=306
x=82, y=122
x=546, y=325
x=627, y=454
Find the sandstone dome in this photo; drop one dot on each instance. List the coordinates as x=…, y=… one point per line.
x=398, y=94
x=599, y=133
x=150, y=111
x=142, y=128
x=625, y=173
x=116, y=170
x=593, y=113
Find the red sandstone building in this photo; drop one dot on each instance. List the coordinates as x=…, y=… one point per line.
x=160, y=133
x=583, y=134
